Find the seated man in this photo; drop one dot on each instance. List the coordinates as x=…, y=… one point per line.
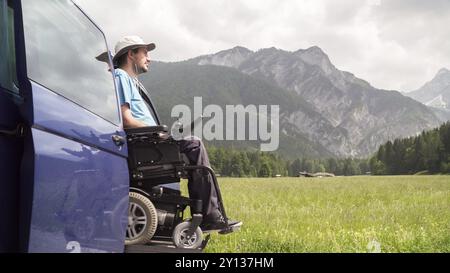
x=131, y=59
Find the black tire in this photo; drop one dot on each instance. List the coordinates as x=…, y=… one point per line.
x=142, y=220
x=180, y=239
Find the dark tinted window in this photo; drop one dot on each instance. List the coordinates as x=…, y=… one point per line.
x=61, y=45
x=8, y=76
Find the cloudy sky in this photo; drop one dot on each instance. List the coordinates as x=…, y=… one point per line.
x=393, y=44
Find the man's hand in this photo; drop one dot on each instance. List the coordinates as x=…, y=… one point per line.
x=163, y=135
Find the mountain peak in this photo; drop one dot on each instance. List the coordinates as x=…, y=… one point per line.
x=443, y=71
x=314, y=55
x=443, y=76
x=315, y=49
x=268, y=49
x=435, y=92
x=231, y=57
x=241, y=49
x=237, y=50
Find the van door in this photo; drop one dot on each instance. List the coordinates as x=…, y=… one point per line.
x=74, y=184
x=10, y=141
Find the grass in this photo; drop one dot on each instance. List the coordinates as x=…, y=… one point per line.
x=341, y=214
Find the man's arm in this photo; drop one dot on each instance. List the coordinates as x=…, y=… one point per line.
x=128, y=120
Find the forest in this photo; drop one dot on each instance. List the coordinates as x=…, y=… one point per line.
x=428, y=152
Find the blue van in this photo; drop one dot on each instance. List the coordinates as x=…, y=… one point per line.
x=64, y=180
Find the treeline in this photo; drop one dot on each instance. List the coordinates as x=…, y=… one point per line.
x=427, y=152
x=346, y=166
x=238, y=163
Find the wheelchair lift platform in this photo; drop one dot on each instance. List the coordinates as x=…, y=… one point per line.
x=159, y=247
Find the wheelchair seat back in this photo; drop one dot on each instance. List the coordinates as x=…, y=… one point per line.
x=152, y=160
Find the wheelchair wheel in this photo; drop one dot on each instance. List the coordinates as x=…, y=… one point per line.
x=142, y=220
x=181, y=240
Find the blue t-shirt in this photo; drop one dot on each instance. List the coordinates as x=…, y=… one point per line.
x=129, y=94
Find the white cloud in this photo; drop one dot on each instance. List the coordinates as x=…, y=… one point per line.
x=395, y=44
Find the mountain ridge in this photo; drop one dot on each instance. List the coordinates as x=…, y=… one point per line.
x=348, y=102
x=339, y=111
x=436, y=92
x=178, y=83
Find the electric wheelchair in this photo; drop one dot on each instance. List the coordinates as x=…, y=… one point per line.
x=157, y=209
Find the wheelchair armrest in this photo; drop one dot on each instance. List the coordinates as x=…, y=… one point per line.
x=147, y=130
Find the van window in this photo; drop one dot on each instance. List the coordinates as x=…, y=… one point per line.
x=8, y=75
x=61, y=45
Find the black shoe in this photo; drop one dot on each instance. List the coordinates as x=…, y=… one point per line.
x=234, y=223
x=232, y=227
x=214, y=226
x=218, y=223
x=213, y=221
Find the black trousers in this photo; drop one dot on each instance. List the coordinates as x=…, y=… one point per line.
x=200, y=186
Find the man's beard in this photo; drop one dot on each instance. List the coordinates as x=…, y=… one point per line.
x=141, y=69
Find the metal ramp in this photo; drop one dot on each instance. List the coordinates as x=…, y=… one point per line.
x=159, y=247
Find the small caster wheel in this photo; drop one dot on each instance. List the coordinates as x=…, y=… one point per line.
x=182, y=240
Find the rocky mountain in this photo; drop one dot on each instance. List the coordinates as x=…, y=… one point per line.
x=173, y=84
x=435, y=94
x=358, y=116
x=230, y=58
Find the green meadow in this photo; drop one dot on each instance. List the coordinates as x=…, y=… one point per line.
x=340, y=214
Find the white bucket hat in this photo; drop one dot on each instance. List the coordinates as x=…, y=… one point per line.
x=130, y=42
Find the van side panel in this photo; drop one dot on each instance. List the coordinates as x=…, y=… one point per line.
x=79, y=182
x=10, y=155
x=79, y=198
